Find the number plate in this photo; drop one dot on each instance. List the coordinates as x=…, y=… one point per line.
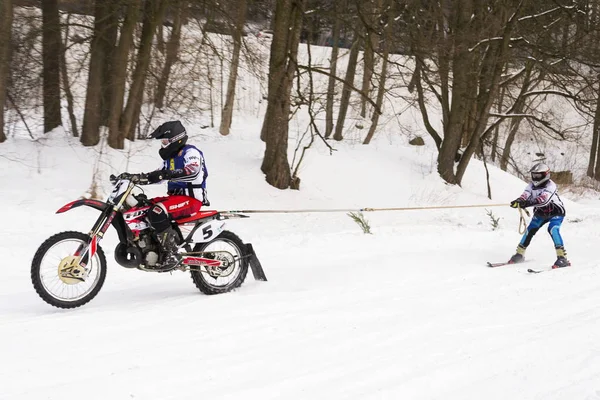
x=209, y=231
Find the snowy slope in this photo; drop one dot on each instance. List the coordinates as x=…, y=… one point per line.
x=409, y=312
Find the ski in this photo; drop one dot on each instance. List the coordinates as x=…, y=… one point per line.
x=538, y=271
x=500, y=264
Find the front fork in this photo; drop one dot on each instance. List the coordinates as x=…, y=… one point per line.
x=87, y=251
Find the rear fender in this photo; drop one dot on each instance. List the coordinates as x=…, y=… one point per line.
x=118, y=222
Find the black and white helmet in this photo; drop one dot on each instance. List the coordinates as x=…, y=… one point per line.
x=540, y=174
x=173, y=137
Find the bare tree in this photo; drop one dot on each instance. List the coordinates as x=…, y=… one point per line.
x=227, y=114
x=6, y=17
x=282, y=64
x=529, y=82
x=347, y=88
x=172, y=49
x=109, y=41
x=338, y=7
x=65, y=83
x=153, y=15
x=462, y=49
x=92, y=117
x=119, y=67
x=51, y=59
x=592, y=167
x=369, y=19
x=381, y=89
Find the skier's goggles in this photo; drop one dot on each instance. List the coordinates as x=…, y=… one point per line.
x=537, y=176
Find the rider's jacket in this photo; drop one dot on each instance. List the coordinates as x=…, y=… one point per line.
x=189, y=173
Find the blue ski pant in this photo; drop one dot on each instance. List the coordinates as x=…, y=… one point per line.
x=537, y=222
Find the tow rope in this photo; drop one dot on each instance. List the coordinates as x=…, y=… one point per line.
x=522, y=211
x=365, y=209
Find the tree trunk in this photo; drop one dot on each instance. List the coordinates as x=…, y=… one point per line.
x=595, y=139
x=347, y=90
x=458, y=112
x=92, y=117
x=382, y=78
x=66, y=85
x=332, y=69
x=371, y=39
x=227, y=114
x=172, y=49
x=6, y=17
x=51, y=60
x=153, y=14
x=109, y=42
x=492, y=65
x=497, y=128
x=282, y=65
x=116, y=138
x=517, y=108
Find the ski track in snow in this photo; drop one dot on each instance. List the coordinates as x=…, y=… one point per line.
x=417, y=315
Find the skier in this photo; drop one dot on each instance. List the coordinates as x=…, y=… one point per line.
x=542, y=195
x=185, y=169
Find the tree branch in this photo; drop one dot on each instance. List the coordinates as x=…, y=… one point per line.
x=354, y=88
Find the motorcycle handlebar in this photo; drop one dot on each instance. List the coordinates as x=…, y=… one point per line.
x=139, y=179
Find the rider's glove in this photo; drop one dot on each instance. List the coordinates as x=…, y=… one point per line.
x=158, y=175
x=141, y=179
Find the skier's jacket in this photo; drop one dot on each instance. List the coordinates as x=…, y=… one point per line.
x=544, y=199
x=190, y=160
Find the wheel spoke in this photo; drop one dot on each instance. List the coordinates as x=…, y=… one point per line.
x=230, y=256
x=53, y=283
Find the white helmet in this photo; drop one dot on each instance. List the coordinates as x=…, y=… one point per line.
x=540, y=173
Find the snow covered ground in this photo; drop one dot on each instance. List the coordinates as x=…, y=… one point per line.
x=410, y=312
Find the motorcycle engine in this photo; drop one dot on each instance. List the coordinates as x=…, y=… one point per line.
x=149, y=249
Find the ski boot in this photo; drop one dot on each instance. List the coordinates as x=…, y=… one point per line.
x=168, y=241
x=519, y=256
x=561, y=262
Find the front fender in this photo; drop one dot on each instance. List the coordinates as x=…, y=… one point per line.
x=118, y=222
x=98, y=205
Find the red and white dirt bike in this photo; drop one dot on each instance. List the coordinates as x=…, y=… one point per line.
x=69, y=268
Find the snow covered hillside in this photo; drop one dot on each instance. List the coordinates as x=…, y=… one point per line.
x=410, y=312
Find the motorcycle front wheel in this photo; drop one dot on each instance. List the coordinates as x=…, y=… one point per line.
x=57, y=276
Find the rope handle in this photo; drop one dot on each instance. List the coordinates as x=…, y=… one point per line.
x=522, y=222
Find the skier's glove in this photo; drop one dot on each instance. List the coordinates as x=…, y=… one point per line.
x=159, y=175
x=518, y=203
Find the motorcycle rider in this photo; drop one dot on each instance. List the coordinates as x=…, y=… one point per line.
x=185, y=170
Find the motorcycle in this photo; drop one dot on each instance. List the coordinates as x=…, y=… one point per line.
x=69, y=268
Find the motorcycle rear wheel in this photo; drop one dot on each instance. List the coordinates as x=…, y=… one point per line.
x=225, y=245
x=49, y=269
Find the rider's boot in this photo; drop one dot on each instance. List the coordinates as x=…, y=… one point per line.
x=168, y=242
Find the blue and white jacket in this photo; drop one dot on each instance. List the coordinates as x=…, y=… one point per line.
x=544, y=199
x=189, y=173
